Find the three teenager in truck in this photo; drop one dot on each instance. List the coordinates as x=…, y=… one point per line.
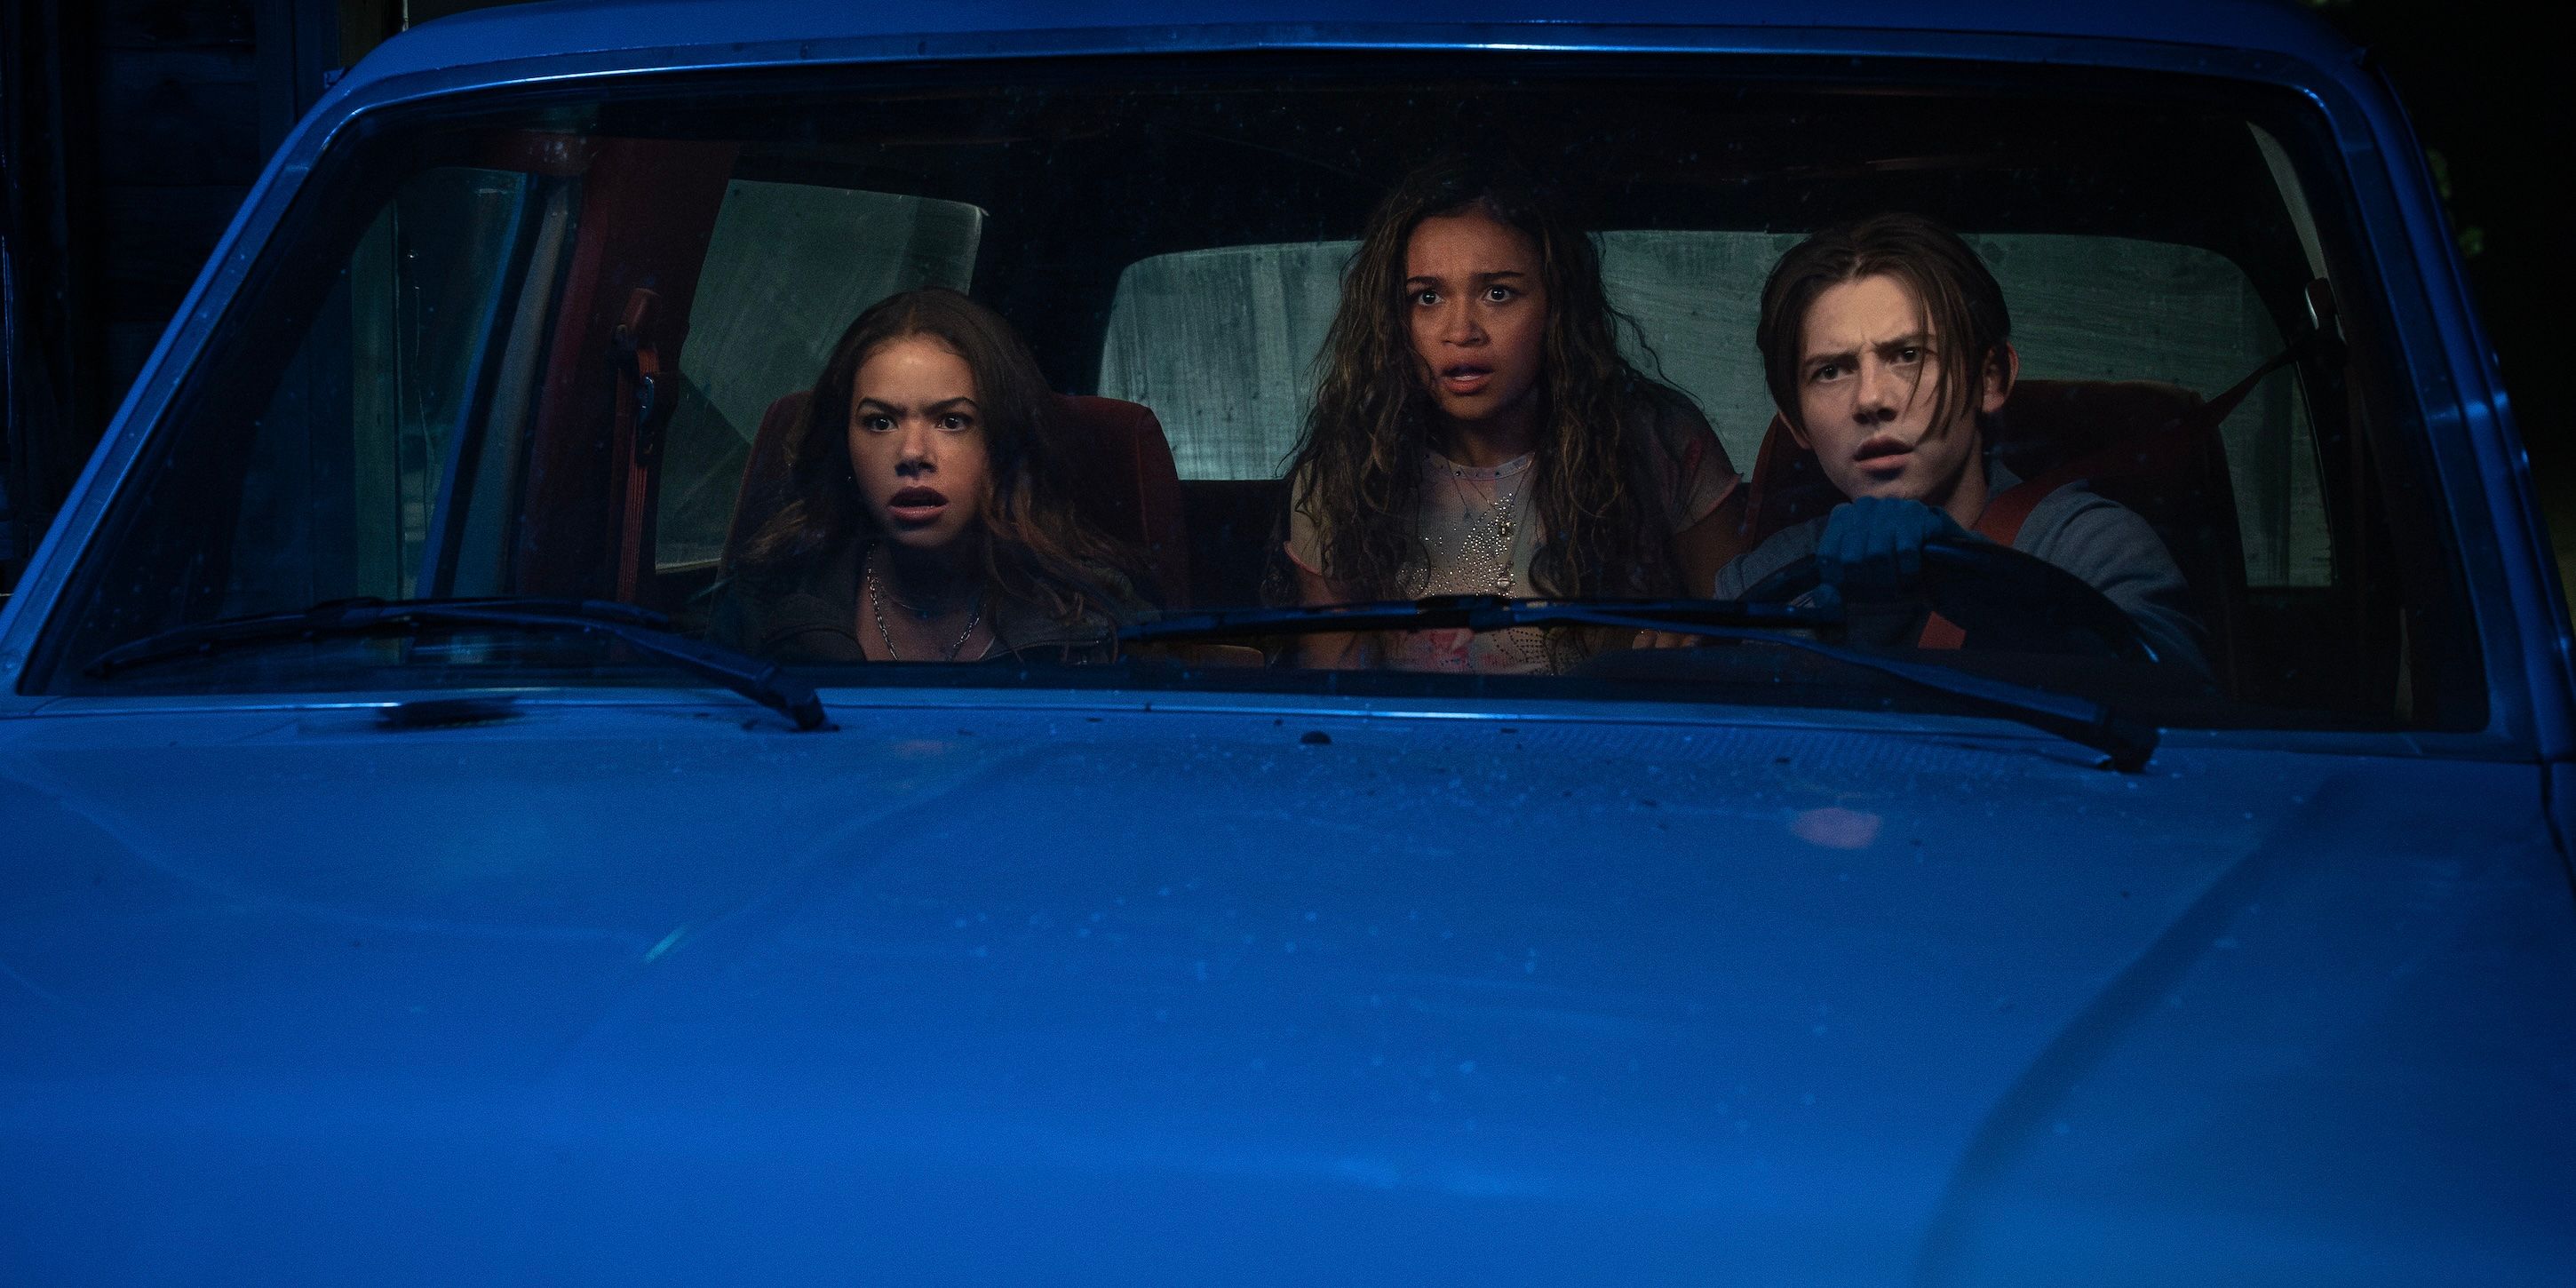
x=1474, y=429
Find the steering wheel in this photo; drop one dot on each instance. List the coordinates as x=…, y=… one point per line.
x=2002, y=599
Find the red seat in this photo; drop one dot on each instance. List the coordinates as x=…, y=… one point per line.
x=2148, y=445
x=1129, y=487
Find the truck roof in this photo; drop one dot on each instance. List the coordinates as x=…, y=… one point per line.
x=723, y=31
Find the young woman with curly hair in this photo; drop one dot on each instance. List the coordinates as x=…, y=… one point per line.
x=1476, y=430
x=927, y=515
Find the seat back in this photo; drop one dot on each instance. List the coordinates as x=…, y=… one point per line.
x=1234, y=530
x=2146, y=444
x=1128, y=487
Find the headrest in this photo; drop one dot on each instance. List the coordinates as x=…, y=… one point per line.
x=2049, y=423
x=1134, y=490
x=1129, y=488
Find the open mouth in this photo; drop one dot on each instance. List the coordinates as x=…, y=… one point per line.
x=1884, y=452
x=1465, y=378
x=915, y=505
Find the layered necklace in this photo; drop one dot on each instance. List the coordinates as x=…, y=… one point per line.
x=1488, y=536
x=878, y=595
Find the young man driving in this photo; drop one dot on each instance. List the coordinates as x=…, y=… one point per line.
x=1887, y=346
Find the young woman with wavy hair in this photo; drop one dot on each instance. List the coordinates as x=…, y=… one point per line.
x=927, y=516
x=1476, y=430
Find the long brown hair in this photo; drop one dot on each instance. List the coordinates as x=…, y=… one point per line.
x=1034, y=546
x=1963, y=303
x=1358, y=468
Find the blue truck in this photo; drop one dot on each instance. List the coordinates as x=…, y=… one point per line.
x=401, y=882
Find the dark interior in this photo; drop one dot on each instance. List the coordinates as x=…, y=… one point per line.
x=1298, y=163
x=1083, y=170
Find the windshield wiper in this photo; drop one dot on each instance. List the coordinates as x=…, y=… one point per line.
x=641, y=629
x=2127, y=743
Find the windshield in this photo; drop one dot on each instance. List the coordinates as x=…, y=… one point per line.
x=979, y=378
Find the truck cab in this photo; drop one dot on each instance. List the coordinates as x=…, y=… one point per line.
x=408, y=878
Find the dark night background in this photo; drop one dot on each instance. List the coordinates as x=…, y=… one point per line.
x=133, y=128
x=2489, y=108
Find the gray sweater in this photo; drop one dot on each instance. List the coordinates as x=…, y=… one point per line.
x=2097, y=539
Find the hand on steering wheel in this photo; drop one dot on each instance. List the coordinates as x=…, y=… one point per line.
x=2002, y=598
x=1873, y=547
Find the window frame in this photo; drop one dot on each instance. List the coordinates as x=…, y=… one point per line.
x=2392, y=326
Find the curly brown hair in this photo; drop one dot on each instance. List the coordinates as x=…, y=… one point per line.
x=1033, y=544
x=1357, y=471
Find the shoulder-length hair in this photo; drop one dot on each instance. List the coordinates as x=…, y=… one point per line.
x=1357, y=470
x=1963, y=305
x=1034, y=546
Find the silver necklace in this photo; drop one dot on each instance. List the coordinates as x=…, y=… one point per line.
x=876, y=606
x=1497, y=534
x=1494, y=539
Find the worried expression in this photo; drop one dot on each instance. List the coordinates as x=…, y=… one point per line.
x=917, y=442
x=1869, y=372
x=1477, y=312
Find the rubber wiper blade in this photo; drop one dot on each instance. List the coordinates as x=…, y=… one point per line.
x=2126, y=744
x=641, y=629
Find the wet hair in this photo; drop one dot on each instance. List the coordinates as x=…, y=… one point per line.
x=1962, y=303
x=1033, y=544
x=1357, y=470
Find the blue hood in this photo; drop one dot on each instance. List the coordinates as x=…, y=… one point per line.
x=641, y=995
